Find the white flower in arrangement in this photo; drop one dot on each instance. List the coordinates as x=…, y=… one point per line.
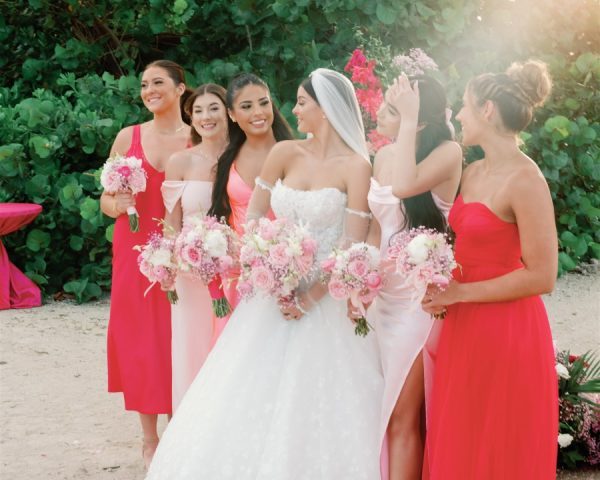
x=294, y=248
x=215, y=243
x=562, y=371
x=261, y=243
x=162, y=257
x=564, y=440
x=418, y=249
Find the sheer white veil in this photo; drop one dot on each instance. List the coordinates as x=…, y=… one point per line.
x=337, y=98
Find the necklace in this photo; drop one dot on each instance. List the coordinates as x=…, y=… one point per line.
x=166, y=132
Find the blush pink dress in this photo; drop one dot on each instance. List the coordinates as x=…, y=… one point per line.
x=401, y=326
x=192, y=323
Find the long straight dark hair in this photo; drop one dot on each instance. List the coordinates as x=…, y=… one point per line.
x=221, y=206
x=421, y=209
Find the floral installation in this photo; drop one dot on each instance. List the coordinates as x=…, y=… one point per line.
x=124, y=174
x=422, y=256
x=354, y=273
x=579, y=409
x=275, y=256
x=157, y=263
x=369, y=76
x=207, y=249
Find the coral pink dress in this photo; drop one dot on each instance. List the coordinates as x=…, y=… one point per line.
x=401, y=325
x=192, y=323
x=139, y=329
x=494, y=411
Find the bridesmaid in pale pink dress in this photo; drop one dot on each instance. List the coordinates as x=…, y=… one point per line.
x=187, y=191
x=257, y=126
x=414, y=183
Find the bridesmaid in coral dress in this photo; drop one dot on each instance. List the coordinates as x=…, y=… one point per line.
x=494, y=413
x=139, y=329
x=257, y=126
x=415, y=180
x=187, y=191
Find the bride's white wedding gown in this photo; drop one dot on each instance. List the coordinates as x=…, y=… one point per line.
x=282, y=399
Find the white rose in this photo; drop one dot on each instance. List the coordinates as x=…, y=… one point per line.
x=417, y=249
x=564, y=440
x=162, y=257
x=294, y=248
x=562, y=371
x=215, y=243
x=261, y=244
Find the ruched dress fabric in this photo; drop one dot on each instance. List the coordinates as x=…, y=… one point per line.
x=494, y=412
x=192, y=319
x=401, y=326
x=277, y=399
x=139, y=328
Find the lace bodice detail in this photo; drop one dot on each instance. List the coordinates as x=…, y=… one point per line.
x=322, y=211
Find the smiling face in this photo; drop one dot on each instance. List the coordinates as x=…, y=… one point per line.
x=252, y=110
x=158, y=91
x=209, y=116
x=307, y=111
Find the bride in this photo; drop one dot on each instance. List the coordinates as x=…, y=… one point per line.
x=291, y=393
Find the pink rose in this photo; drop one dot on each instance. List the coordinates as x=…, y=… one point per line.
x=192, y=255
x=124, y=171
x=267, y=231
x=358, y=268
x=262, y=278
x=278, y=254
x=244, y=289
x=328, y=264
x=373, y=280
x=337, y=290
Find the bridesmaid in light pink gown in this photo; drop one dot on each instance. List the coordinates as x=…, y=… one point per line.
x=414, y=182
x=257, y=126
x=187, y=191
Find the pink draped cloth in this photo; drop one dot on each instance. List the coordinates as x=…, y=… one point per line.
x=16, y=289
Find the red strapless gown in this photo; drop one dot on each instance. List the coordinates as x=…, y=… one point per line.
x=494, y=411
x=139, y=329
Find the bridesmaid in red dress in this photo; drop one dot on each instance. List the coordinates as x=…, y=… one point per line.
x=139, y=329
x=494, y=412
x=257, y=126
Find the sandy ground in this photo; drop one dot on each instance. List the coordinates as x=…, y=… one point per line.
x=58, y=422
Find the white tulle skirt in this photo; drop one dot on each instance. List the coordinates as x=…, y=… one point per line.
x=279, y=400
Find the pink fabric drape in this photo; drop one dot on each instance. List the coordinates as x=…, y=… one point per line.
x=16, y=290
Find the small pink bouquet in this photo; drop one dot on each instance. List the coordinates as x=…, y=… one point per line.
x=207, y=249
x=157, y=263
x=423, y=256
x=275, y=256
x=124, y=174
x=354, y=273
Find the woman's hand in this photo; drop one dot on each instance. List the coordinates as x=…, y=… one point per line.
x=436, y=300
x=122, y=201
x=354, y=312
x=294, y=308
x=405, y=98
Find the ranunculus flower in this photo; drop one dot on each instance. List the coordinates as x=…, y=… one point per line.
x=562, y=371
x=564, y=440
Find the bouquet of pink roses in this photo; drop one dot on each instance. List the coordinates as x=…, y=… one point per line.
x=423, y=256
x=157, y=264
x=207, y=249
x=353, y=273
x=124, y=174
x=275, y=256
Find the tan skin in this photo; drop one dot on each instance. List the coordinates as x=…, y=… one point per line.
x=252, y=110
x=323, y=161
x=511, y=185
x=209, y=119
x=161, y=137
x=440, y=173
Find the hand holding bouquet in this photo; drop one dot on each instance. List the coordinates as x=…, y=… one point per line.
x=354, y=274
x=206, y=248
x=124, y=174
x=275, y=256
x=157, y=264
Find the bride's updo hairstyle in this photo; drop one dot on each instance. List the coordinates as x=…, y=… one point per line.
x=516, y=93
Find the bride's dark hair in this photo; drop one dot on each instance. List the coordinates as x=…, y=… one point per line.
x=221, y=207
x=421, y=210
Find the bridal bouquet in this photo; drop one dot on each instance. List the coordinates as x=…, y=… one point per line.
x=124, y=174
x=354, y=273
x=156, y=262
x=423, y=256
x=275, y=256
x=207, y=248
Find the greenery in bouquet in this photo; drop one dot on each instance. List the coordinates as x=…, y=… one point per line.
x=579, y=409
